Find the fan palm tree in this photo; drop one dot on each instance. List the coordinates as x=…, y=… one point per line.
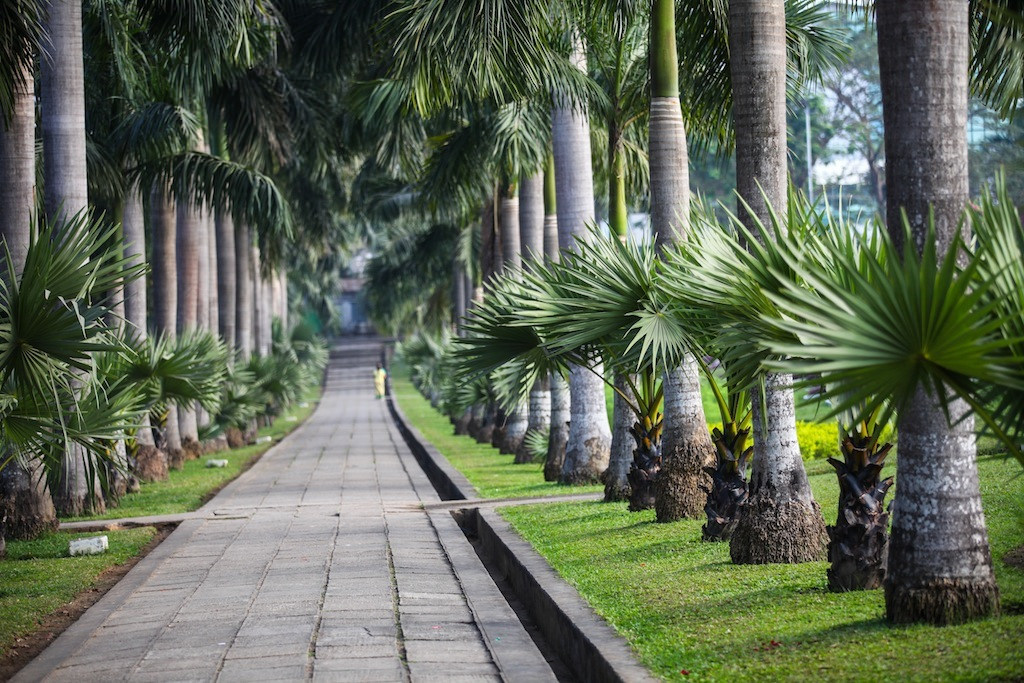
x=27, y=506
x=558, y=434
x=52, y=320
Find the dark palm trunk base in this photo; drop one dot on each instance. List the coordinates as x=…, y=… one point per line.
x=644, y=471
x=26, y=513
x=727, y=486
x=858, y=542
x=772, y=532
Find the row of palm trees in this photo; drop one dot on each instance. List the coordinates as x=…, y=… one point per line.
x=183, y=135
x=742, y=47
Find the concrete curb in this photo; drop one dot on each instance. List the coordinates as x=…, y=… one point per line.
x=449, y=482
x=582, y=639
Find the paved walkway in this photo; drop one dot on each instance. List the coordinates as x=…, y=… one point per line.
x=318, y=563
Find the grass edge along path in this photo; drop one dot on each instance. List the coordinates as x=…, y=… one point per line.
x=192, y=486
x=39, y=581
x=691, y=614
x=493, y=474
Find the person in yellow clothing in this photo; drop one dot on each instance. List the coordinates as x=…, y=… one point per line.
x=380, y=375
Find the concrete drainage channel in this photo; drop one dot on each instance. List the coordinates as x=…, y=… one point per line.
x=562, y=624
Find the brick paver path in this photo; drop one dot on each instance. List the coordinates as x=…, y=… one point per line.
x=318, y=563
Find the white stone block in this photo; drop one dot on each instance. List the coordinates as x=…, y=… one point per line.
x=265, y=439
x=216, y=462
x=88, y=546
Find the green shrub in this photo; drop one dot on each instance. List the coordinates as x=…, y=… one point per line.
x=818, y=440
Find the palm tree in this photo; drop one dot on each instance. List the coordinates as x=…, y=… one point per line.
x=163, y=224
x=940, y=566
x=26, y=508
x=187, y=251
x=686, y=446
x=781, y=522
x=531, y=230
x=558, y=434
x=588, y=445
x=150, y=462
x=65, y=193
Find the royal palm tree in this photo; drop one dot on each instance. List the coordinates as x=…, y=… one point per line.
x=558, y=434
x=588, y=445
x=531, y=230
x=781, y=522
x=940, y=566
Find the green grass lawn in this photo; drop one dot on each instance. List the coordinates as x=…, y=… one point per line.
x=494, y=475
x=689, y=613
x=187, y=489
x=38, y=577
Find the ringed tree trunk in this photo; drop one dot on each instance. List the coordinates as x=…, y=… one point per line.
x=25, y=502
x=62, y=116
x=781, y=521
x=517, y=421
x=148, y=462
x=939, y=563
x=226, y=278
x=531, y=246
x=18, y=172
x=558, y=433
x=190, y=248
x=686, y=448
x=165, y=312
x=588, y=446
x=243, y=292
x=213, y=314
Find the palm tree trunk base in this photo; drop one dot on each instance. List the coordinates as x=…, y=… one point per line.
x=556, y=453
x=785, y=532
x=616, y=488
x=215, y=445
x=515, y=432
x=235, y=437
x=591, y=463
x=192, y=448
x=25, y=503
x=680, y=491
x=941, y=601
x=462, y=422
x=150, y=464
x=175, y=458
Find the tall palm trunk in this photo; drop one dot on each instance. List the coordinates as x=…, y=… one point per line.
x=560, y=407
x=283, y=275
x=18, y=172
x=190, y=248
x=589, y=441
x=531, y=244
x=62, y=115
x=213, y=314
x=616, y=483
x=163, y=223
x=517, y=421
x=686, y=447
x=939, y=565
x=226, y=278
x=26, y=508
x=150, y=462
x=781, y=521
x=458, y=295
x=243, y=292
